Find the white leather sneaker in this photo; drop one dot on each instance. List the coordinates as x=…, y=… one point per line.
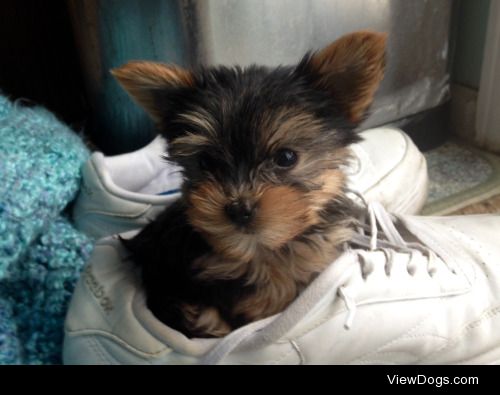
x=388, y=168
x=124, y=192
x=407, y=290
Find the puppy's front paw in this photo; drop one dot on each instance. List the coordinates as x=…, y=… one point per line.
x=204, y=321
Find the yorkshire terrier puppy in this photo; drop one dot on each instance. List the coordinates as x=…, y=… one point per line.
x=263, y=208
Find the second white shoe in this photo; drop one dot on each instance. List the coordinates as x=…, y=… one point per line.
x=125, y=192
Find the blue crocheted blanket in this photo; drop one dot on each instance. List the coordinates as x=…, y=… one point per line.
x=41, y=254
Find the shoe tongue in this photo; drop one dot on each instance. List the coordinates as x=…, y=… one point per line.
x=400, y=231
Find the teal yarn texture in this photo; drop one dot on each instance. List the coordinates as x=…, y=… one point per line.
x=41, y=254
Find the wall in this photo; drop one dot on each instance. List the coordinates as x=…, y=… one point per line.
x=470, y=34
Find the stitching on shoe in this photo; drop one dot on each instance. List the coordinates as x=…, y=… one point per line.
x=107, y=334
x=100, y=352
x=93, y=332
x=334, y=313
x=406, y=335
x=484, y=317
x=420, y=193
x=120, y=215
x=388, y=353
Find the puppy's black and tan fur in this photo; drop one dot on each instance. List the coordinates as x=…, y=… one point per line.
x=263, y=209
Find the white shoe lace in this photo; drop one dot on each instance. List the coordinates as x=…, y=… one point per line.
x=391, y=241
x=368, y=236
x=376, y=232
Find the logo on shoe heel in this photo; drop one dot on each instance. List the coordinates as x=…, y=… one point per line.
x=97, y=290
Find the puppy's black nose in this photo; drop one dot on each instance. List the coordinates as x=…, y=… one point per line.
x=240, y=212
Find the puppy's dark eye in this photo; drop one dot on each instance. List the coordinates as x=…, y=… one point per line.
x=285, y=158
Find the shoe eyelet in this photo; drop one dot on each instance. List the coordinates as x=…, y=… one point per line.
x=365, y=269
x=411, y=270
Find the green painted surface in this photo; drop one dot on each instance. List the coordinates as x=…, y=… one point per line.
x=135, y=29
x=113, y=32
x=470, y=35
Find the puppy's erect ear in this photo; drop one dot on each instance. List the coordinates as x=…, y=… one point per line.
x=350, y=69
x=149, y=82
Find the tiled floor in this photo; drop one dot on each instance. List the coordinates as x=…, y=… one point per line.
x=462, y=180
x=454, y=169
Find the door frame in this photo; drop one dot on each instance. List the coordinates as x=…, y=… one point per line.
x=488, y=105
